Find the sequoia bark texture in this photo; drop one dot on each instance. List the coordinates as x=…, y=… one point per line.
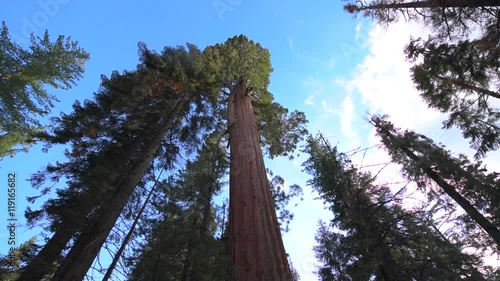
x=255, y=242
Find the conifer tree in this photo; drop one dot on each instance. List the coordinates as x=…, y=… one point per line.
x=253, y=119
x=183, y=238
x=456, y=71
x=13, y=263
x=114, y=140
x=469, y=184
x=24, y=74
x=447, y=18
x=460, y=79
x=180, y=87
x=371, y=237
x=181, y=241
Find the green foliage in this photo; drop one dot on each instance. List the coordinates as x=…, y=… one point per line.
x=24, y=74
x=282, y=198
x=459, y=79
x=471, y=179
x=446, y=18
x=240, y=59
x=371, y=237
x=14, y=262
x=280, y=131
x=181, y=241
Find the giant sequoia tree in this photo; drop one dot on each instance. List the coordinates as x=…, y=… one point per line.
x=139, y=116
x=24, y=74
x=253, y=120
x=371, y=237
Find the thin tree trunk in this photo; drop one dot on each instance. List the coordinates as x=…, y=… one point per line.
x=256, y=246
x=463, y=85
x=483, y=222
x=129, y=234
x=434, y=4
x=90, y=241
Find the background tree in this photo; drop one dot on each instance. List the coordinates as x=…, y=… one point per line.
x=455, y=70
x=181, y=240
x=14, y=262
x=451, y=18
x=110, y=140
x=371, y=237
x=470, y=185
x=243, y=68
x=460, y=80
x=182, y=73
x=24, y=74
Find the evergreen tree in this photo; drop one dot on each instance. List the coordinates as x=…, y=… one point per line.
x=15, y=260
x=468, y=184
x=114, y=140
x=183, y=85
x=371, y=236
x=24, y=74
x=243, y=68
x=459, y=79
x=447, y=18
x=181, y=241
x=455, y=74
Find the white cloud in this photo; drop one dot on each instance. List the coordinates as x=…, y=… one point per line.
x=326, y=108
x=309, y=100
x=358, y=29
x=346, y=115
x=384, y=83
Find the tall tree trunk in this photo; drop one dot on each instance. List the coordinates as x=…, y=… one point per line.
x=90, y=241
x=475, y=215
x=255, y=242
x=42, y=263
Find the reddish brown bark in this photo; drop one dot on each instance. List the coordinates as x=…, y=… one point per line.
x=255, y=243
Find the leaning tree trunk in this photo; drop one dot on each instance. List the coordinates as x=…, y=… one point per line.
x=41, y=265
x=474, y=214
x=255, y=242
x=87, y=245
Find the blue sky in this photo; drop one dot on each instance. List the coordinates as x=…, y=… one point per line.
x=327, y=64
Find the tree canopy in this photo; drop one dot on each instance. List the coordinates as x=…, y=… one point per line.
x=24, y=76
